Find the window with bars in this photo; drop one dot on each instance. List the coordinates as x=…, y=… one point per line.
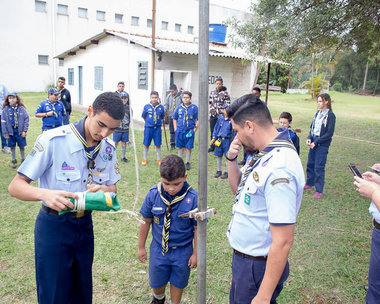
x=98, y=81
x=43, y=59
x=70, y=76
x=178, y=27
x=190, y=30
x=82, y=12
x=135, y=20
x=40, y=6
x=142, y=76
x=62, y=9
x=118, y=18
x=164, y=25
x=100, y=15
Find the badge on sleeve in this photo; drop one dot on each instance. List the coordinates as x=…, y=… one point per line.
x=247, y=199
x=255, y=176
x=157, y=220
x=117, y=168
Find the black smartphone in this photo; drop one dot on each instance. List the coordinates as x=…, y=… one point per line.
x=354, y=170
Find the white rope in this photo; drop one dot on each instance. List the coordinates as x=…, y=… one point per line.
x=80, y=204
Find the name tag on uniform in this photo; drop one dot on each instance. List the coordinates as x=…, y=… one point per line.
x=157, y=208
x=247, y=199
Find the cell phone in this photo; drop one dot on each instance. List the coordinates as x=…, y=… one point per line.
x=375, y=169
x=354, y=170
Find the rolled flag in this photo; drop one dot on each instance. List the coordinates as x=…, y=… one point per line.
x=100, y=201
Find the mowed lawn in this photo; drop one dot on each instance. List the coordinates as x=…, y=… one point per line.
x=329, y=258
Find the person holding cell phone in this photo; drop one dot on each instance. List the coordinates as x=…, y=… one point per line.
x=369, y=187
x=319, y=140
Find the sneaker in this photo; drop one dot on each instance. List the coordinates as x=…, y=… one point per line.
x=159, y=161
x=14, y=163
x=307, y=188
x=317, y=196
x=217, y=174
x=143, y=163
x=157, y=301
x=211, y=149
x=224, y=176
x=187, y=166
x=6, y=150
x=124, y=160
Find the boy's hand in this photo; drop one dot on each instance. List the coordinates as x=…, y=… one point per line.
x=308, y=142
x=192, y=261
x=6, y=137
x=93, y=188
x=23, y=134
x=312, y=145
x=212, y=141
x=142, y=255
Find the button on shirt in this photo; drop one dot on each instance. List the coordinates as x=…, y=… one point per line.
x=59, y=161
x=272, y=194
x=54, y=120
x=186, y=120
x=149, y=115
x=181, y=229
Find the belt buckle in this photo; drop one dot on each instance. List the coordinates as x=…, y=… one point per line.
x=79, y=214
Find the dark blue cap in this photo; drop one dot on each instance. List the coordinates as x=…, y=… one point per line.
x=12, y=94
x=53, y=91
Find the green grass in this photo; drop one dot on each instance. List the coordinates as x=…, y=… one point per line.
x=329, y=258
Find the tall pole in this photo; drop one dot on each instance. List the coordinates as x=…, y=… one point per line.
x=153, y=40
x=203, y=145
x=267, y=88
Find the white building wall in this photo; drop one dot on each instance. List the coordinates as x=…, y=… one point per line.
x=25, y=33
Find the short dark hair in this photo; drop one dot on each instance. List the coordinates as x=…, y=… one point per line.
x=219, y=79
x=172, y=167
x=154, y=93
x=187, y=93
x=173, y=87
x=287, y=116
x=249, y=107
x=121, y=82
x=62, y=78
x=257, y=89
x=110, y=103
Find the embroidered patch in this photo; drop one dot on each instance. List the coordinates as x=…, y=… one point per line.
x=156, y=220
x=117, y=168
x=281, y=180
x=32, y=152
x=39, y=147
x=188, y=200
x=106, y=157
x=108, y=150
x=65, y=166
x=100, y=169
x=255, y=176
x=247, y=199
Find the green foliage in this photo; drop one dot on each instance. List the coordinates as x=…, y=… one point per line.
x=278, y=76
x=337, y=87
x=318, y=84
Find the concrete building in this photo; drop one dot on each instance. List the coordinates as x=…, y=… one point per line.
x=32, y=32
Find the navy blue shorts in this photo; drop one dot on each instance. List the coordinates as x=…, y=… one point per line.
x=171, y=267
x=181, y=141
x=373, y=293
x=247, y=276
x=152, y=133
x=64, y=252
x=16, y=138
x=120, y=136
x=223, y=148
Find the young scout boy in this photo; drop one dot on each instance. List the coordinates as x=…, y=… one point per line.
x=73, y=158
x=185, y=121
x=171, y=251
x=51, y=111
x=122, y=132
x=221, y=139
x=285, y=121
x=153, y=114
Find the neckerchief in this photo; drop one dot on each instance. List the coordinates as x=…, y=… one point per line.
x=154, y=112
x=53, y=106
x=186, y=116
x=169, y=201
x=15, y=107
x=318, y=121
x=60, y=91
x=282, y=140
x=78, y=129
x=173, y=100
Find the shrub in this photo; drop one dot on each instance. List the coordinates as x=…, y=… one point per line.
x=337, y=86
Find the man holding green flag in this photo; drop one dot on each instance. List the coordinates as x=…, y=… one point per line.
x=72, y=158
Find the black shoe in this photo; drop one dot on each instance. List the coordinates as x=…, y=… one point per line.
x=124, y=160
x=187, y=165
x=156, y=301
x=211, y=149
x=14, y=163
x=224, y=176
x=217, y=174
x=172, y=148
x=242, y=163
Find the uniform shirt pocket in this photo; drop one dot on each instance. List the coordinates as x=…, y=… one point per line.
x=67, y=177
x=158, y=215
x=100, y=178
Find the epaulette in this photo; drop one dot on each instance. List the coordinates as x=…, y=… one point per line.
x=60, y=131
x=110, y=142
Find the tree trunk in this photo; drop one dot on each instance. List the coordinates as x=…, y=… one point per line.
x=365, y=77
x=377, y=81
x=312, y=77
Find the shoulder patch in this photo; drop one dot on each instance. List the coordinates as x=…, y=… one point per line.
x=110, y=142
x=281, y=180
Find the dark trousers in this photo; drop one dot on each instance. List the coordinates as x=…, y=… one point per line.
x=66, y=118
x=315, y=170
x=3, y=140
x=64, y=252
x=213, y=121
x=172, y=133
x=247, y=276
x=373, y=293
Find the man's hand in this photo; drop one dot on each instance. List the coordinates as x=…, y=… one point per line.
x=192, y=261
x=58, y=199
x=235, y=148
x=142, y=255
x=50, y=113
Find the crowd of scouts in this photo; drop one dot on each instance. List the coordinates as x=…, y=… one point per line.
x=173, y=250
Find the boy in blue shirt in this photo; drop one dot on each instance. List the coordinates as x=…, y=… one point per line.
x=153, y=114
x=285, y=121
x=51, y=111
x=221, y=139
x=172, y=256
x=185, y=121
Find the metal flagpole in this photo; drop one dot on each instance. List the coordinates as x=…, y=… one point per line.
x=203, y=145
